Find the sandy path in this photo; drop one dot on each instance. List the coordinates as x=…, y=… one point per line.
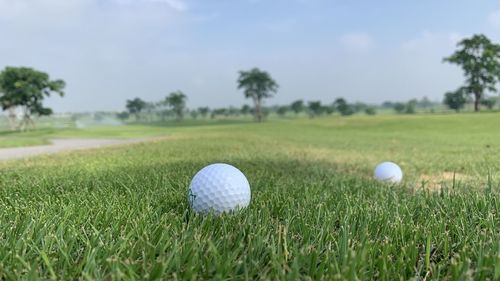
x=59, y=145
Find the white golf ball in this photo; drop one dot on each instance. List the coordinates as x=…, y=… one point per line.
x=219, y=188
x=388, y=172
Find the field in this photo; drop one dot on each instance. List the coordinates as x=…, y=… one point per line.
x=316, y=213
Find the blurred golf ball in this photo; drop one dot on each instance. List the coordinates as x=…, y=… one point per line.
x=219, y=188
x=388, y=172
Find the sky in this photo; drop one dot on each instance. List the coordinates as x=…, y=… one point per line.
x=109, y=51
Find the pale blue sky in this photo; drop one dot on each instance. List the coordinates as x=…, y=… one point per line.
x=112, y=50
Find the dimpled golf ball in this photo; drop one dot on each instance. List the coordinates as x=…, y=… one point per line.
x=388, y=172
x=219, y=188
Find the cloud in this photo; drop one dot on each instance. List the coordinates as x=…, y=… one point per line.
x=428, y=41
x=494, y=19
x=177, y=5
x=357, y=41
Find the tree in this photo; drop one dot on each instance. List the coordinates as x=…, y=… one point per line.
x=257, y=85
x=489, y=102
x=425, y=102
x=26, y=88
x=194, y=114
x=315, y=108
x=122, y=115
x=177, y=101
x=135, y=107
x=410, y=106
x=282, y=110
x=399, y=107
x=328, y=109
x=387, y=104
x=480, y=61
x=370, y=110
x=203, y=111
x=359, y=106
x=233, y=111
x=455, y=100
x=245, y=109
x=297, y=106
x=150, y=108
x=343, y=107
x=219, y=111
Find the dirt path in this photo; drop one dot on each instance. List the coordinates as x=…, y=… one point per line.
x=59, y=145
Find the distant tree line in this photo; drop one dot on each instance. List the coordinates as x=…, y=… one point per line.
x=174, y=107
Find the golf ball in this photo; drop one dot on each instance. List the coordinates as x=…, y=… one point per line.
x=219, y=188
x=388, y=172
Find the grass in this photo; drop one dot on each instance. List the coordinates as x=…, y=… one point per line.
x=122, y=212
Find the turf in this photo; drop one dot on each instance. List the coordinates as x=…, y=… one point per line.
x=122, y=212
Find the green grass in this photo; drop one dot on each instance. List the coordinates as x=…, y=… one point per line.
x=122, y=212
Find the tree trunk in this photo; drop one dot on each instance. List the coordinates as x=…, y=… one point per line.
x=476, y=101
x=12, y=118
x=258, y=111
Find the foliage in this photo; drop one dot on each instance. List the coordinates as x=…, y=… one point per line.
x=177, y=102
x=123, y=115
x=257, y=85
x=455, y=100
x=297, y=106
x=135, y=107
x=204, y=111
x=343, y=107
x=315, y=108
x=410, y=106
x=489, y=102
x=245, y=109
x=27, y=88
x=282, y=110
x=480, y=61
x=370, y=110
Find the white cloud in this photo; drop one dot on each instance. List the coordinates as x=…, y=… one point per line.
x=177, y=5
x=427, y=41
x=494, y=19
x=357, y=41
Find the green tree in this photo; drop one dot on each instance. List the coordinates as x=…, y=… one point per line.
x=399, y=107
x=343, y=107
x=410, y=106
x=282, y=110
x=135, y=107
x=257, y=85
x=245, y=109
x=359, y=106
x=297, y=106
x=233, y=111
x=177, y=101
x=489, y=102
x=315, y=108
x=204, y=111
x=480, y=61
x=329, y=109
x=425, y=103
x=26, y=88
x=219, y=111
x=455, y=100
x=370, y=110
x=123, y=115
x=194, y=114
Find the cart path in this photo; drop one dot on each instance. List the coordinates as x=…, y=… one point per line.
x=59, y=145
